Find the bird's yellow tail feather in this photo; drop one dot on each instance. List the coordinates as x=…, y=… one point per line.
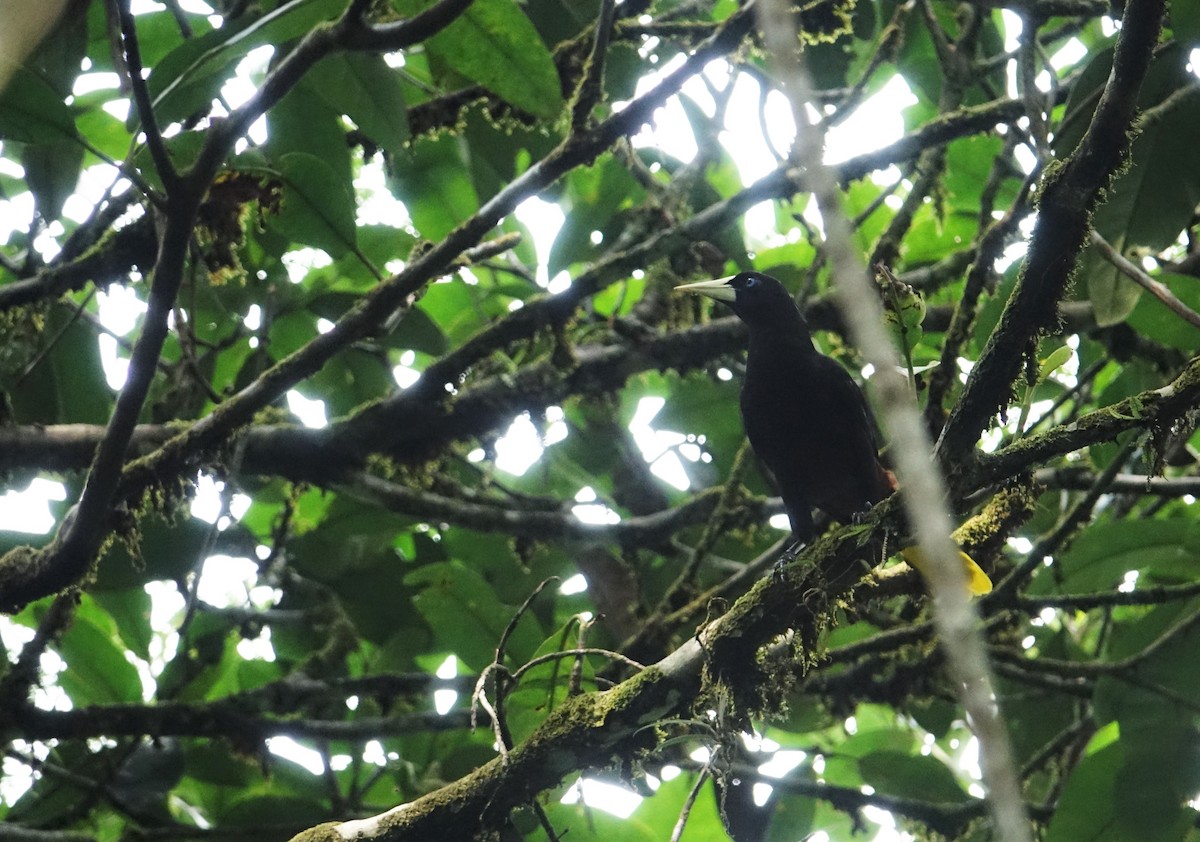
x=978, y=582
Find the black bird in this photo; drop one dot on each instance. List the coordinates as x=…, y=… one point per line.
x=807, y=420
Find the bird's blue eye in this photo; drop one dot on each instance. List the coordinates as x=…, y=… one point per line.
x=751, y=282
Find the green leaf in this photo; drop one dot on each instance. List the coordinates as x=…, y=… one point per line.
x=547, y=685
x=919, y=60
x=494, y=43
x=130, y=611
x=268, y=810
x=418, y=332
x=289, y=333
x=1150, y=202
x=592, y=196
x=1155, y=320
x=655, y=817
x=31, y=111
x=433, y=183
x=1056, y=360
x=301, y=122
x=558, y=20
x=372, y=597
x=147, y=775
x=932, y=237
x=1098, y=802
x=97, y=672
x=67, y=385
x=934, y=715
x=1185, y=21
x=1086, y=810
x=52, y=171
x=917, y=776
x=1036, y=716
x=190, y=76
x=583, y=822
x=969, y=163
x=51, y=798
x=217, y=764
x=102, y=130
x=182, y=149
x=794, y=818
x=1143, y=704
x=620, y=298
x=496, y=152
x=369, y=92
x=705, y=406
x=1103, y=554
x=158, y=33
x=1156, y=781
x=352, y=379
x=452, y=306
x=884, y=735
x=167, y=550
x=317, y=208
x=348, y=540
x=461, y=608
x=1113, y=296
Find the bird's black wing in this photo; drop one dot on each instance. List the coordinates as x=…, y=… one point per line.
x=853, y=442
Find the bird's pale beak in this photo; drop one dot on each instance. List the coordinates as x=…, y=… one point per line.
x=718, y=289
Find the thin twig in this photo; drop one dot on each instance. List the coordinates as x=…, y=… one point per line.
x=502, y=677
x=516, y=618
x=686, y=811
x=141, y=97
x=53, y=343
x=715, y=525
x=25, y=673
x=575, y=680
x=573, y=653
x=591, y=85
x=1153, y=595
x=1136, y=274
x=1081, y=479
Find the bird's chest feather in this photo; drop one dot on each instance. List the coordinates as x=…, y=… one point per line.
x=809, y=426
x=791, y=393
x=798, y=421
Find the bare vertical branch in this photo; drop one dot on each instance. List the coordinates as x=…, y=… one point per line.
x=141, y=96
x=955, y=616
x=591, y=86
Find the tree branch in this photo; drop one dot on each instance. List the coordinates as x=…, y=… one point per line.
x=396, y=292
x=141, y=96
x=417, y=430
x=1069, y=194
x=135, y=245
x=585, y=731
x=1081, y=479
x=27, y=573
x=246, y=717
x=1156, y=288
x=557, y=526
x=1152, y=408
x=176, y=719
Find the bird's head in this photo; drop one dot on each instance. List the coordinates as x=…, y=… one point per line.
x=759, y=300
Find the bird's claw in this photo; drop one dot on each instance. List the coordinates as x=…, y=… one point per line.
x=777, y=572
x=785, y=558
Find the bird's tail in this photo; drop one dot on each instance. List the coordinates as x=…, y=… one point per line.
x=978, y=582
